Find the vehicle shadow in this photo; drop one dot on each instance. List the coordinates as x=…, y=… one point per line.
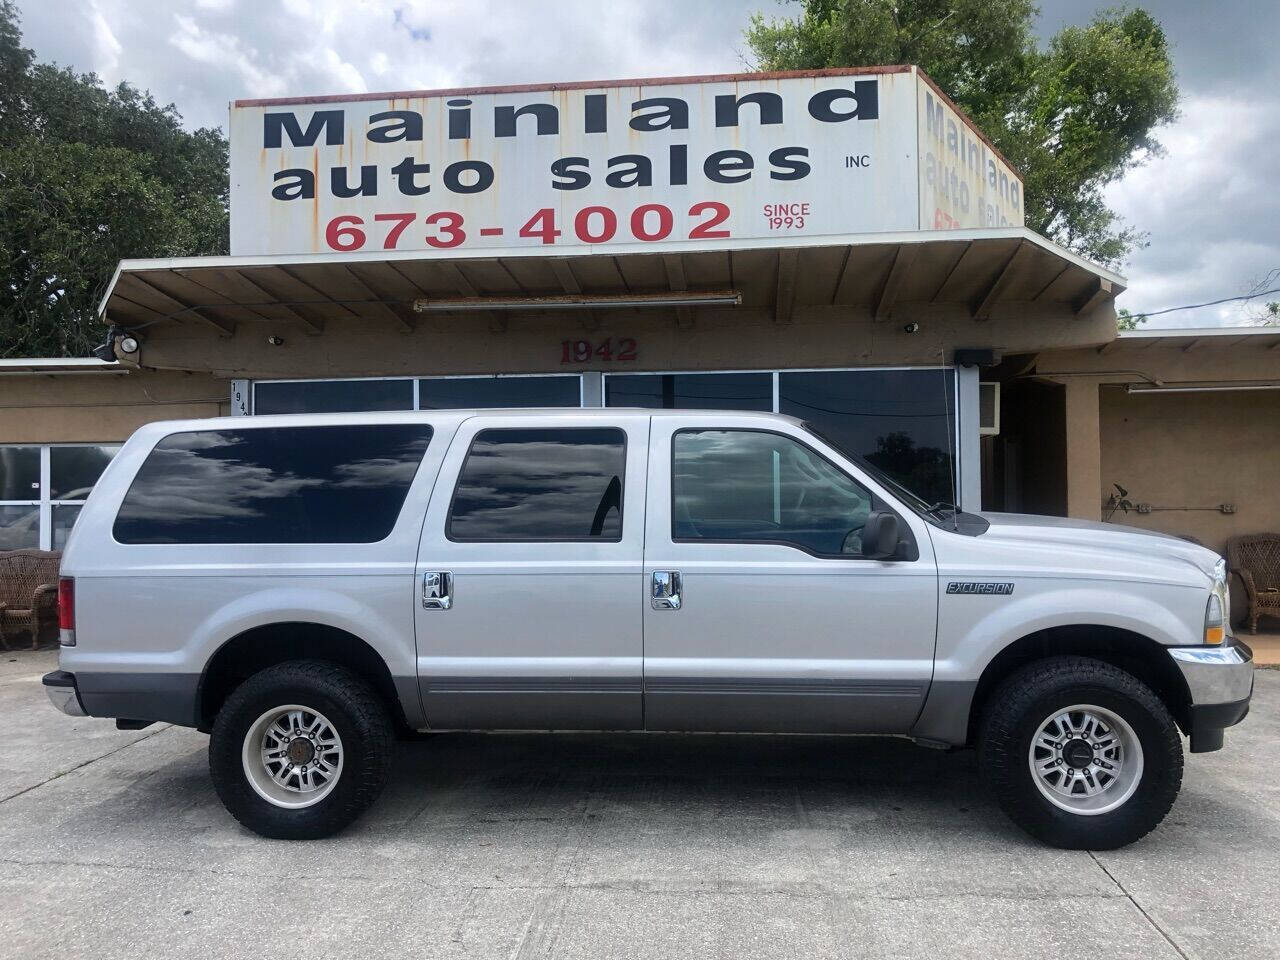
x=684, y=776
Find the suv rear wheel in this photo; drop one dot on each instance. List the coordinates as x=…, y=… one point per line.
x=1080, y=754
x=301, y=749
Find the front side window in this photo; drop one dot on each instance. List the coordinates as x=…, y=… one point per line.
x=541, y=484
x=752, y=486
x=339, y=484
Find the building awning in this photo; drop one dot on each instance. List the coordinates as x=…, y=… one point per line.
x=58, y=366
x=1188, y=339
x=977, y=271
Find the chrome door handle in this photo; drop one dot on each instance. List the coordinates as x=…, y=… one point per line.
x=437, y=590
x=666, y=590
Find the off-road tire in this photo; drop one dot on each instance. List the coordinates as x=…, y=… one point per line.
x=355, y=710
x=1013, y=716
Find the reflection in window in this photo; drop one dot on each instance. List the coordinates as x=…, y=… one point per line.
x=19, y=473
x=690, y=391
x=64, y=518
x=74, y=470
x=339, y=484
x=331, y=396
x=563, y=484
x=902, y=421
x=751, y=486
x=19, y=527
x=461, y=393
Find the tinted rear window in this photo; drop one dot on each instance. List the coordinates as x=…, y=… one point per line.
x=340, y=484
x=553, y=485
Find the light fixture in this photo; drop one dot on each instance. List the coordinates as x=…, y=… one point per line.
x=576, y=301
x=275, y=341
x=106, y=350
x=1202, y=388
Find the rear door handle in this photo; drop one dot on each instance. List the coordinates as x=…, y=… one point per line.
x=437, y=590
x=666, y=591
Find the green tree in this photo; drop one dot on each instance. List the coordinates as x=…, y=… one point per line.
x=1071, y=116
x=1129, y=321
x=89, y=176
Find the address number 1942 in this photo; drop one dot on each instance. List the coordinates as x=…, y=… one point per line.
x=610, y=350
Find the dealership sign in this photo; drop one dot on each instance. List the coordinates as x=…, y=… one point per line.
x=642, y=162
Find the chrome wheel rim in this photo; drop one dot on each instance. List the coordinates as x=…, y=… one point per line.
x=292, y=756
x=1085, y=759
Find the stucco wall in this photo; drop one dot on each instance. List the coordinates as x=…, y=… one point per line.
x=1185, y=452
x=102, y=407
x=723, y=338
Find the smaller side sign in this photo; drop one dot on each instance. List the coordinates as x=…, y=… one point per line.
x=963, y=181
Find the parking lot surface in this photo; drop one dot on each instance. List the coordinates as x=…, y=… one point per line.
x=113, y=845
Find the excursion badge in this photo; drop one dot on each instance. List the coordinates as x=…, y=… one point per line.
x=980, y=587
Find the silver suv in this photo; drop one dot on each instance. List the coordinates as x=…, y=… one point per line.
x=303, y=588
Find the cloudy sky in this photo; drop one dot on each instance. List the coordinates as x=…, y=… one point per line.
x=1210, y=205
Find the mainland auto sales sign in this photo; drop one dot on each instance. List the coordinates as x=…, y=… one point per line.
x=659, y=162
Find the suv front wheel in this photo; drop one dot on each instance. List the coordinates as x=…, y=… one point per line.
x=301, y=749
x=1080, y=754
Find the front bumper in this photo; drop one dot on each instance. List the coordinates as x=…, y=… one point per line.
x=1220, y=680
x=61, y=688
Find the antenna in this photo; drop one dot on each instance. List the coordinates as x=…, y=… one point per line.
x=951, y=460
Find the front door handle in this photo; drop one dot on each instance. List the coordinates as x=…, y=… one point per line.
x=437, y=590
x=667, y=590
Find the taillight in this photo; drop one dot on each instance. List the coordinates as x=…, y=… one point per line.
x=67, y=611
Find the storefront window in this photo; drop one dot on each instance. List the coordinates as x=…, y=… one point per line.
x=19, y=473
x=433, y=393
x=19, y=526
x=64, y=518
x=42, y=489
x=461, y=393
x=331, y=396
x=74, y=470
x=902, y=421
x=690, y=391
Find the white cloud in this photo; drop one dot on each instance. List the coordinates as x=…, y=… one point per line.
x=107, y=48
x=1210, y=207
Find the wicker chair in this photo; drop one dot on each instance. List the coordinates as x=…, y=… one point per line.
x=28, y=592
x=1256, y=557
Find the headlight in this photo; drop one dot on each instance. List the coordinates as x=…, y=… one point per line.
x=1218, y=610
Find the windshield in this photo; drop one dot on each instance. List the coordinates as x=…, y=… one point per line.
x=913, y=501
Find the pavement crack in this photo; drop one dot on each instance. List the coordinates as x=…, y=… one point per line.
x=1139, y=907
x=62, y=773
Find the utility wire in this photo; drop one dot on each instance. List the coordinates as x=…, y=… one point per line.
x=1211, y=303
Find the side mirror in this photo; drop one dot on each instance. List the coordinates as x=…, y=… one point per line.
x=880, y=536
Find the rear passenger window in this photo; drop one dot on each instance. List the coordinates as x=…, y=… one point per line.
x=339, y=484
x=550, y=484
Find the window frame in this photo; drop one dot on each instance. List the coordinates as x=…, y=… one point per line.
x=44, y=503
x=462, y=469
x=395, y=523
x=415, y=382
x=877, y=502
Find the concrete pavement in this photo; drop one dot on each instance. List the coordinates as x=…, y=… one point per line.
x=113, y=845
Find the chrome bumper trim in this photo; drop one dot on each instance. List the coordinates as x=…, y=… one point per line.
x=1216, y=674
